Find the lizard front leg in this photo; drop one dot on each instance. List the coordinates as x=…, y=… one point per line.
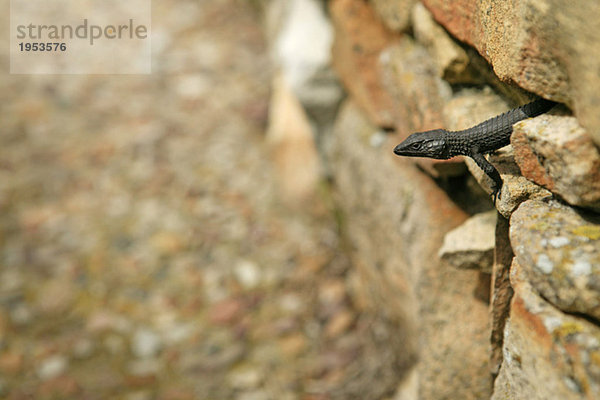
x=490, y=171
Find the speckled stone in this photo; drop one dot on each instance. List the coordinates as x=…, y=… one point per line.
x=547, y=354
x=559, y=248
x=556, y=152
x=542, y=45
x=471, y=245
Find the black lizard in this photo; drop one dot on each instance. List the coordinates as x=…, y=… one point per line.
x=474, y=142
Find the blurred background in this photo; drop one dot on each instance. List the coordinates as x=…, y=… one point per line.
x=172, y=236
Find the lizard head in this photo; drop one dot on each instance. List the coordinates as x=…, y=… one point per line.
x=431, y=144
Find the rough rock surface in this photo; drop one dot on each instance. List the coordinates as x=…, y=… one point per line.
x=538, y=350
x=418, y=96
x=558, y=247
x=301, y=38
x=359, y=39
x=451, y=60
x=541, y=55
x=395, y=14
x=515, y=189
x=547, y=354
x=555, y=152
x=471, y=245
x=292, y=144
x=395, y=221
x=501, y=294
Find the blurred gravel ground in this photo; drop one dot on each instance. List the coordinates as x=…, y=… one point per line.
x=144, y=253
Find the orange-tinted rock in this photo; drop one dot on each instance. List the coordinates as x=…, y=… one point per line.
x=359, y=39
x=542, y=45
x=555, y=152
x=395, y=219
x=547, y=354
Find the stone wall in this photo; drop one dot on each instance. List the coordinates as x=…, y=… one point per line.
x=487, y=302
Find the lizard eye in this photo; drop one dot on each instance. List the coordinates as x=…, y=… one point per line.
x=415, y=146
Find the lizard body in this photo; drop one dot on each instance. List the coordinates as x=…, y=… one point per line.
x=474, y=142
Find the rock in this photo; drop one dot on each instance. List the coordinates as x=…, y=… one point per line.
x=471, y=245
x=193, y=86
x=56, y=296
x=167, y=243
x=11, y=363
x=410, y=77
x=291, y=139
x=102, y=321
x=547, y=354
x=248, y=274
x=226, y=311
x=52, y=367
x=21, y=314
x=61, y=387
x=114, y=344
x=292, y=304
x=502, y=293
x=470, y=107
x=359, y=39
x=339, y=323
x=395, y=14
x=395, y=218
x=138, y=394
x=556, y=153
x=245, y=377
x=219, y=351
x=546, y=52
x=559, y=248
x=83, y=348
x=146, y=367
x=515, y=188
x=301, y=49
x=418, y=96
x=409, y=387
x=332, y=292
x=451, y=60
x=146, y=343
x=293, y=345
x=178, y=332
x=257, y=394
x=461, y=18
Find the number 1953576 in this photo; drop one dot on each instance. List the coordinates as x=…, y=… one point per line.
x=47, y=46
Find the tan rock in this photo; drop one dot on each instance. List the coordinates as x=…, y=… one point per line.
x=559, y=248
x=339, y=324
x=502, y=293
x=451, y=59
x=547, y=354
x=293, y=345
x=395, y=219
x=515, y=189
x=555, y=152
x=359, y=39
x=292, y=143
x=418, y=95
x=395, y=14
x=471, y=245
x=542, y=45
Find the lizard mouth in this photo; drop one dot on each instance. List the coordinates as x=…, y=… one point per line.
x=398, y=150
x=411, y=149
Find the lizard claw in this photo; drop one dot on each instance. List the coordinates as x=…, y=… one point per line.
x=496, y=192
